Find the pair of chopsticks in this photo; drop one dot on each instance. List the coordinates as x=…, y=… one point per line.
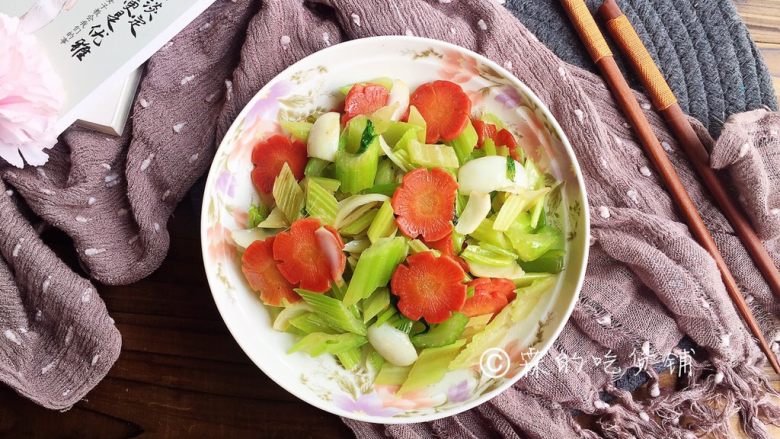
x=665, y=102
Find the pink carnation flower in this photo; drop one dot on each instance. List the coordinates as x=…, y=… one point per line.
x=31, y=95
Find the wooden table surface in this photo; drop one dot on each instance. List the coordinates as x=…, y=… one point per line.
x=180, y=372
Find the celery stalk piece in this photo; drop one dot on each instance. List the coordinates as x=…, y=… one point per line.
x=402, y=163
x=481, y=255
x=315, y=167
x=323, y=141
x=288, y=194
x=489, y=147
x=531, y=246
x=375, y=267
x=350, y=359
x=495, y=120
x=460, y=203
x=333, y=311
x=390, y=375
x=431, y=366
x=383, y=189
x=298, y=130
x=417, y=246
x=374, y=361
x=385, y=172
x=382, y=118
x=475, y=325
x=536, y=212
x=320, y=203
x=486, y=233
x=551, y=262
x=360, y=224
x=510, y=271
x=383, y=225
x=393, y=344
x=282, y=320
x=275, y=220
x=319, y=343
x=245, y=238
x=375, y=304
x=257, y=213
x=385, y=316
x=338, y=289
x=476, y=211
x=442, y=334
x=529, y=278
x=357, y=169
x=329, y=184
x=528, y=297
x=533, y=175
x=311, y=322
x=510, y=210
x=465, y=142
x=356, y=246
x=415, y=118
x=397, y=130
x=402, y=155
x=349, y=206
x=432, y=156
x=401, y=323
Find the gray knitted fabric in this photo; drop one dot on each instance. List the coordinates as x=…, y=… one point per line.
x=702, y=47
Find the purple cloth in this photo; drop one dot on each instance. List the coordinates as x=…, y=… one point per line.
x=648, y=282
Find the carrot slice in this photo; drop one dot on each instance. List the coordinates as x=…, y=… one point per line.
x=484, y=131
x=429, y=287
x=444, y=246
x=444, y=106
x=263, y=276
x=505, y=138
x=269, y=157
x=425, y=204
x=364, y=99
x=301, y=258
x=490, y=296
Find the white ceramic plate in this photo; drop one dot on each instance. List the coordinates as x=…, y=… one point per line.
x=311, y=85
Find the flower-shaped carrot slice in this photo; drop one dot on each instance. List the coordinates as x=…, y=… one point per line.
x=429, y=287
x=444, y=106
x=263, y=276
x=505, y=138
x=490, y=296
x=445, y=247
x=270, y=155
x=305, y=259
x=424, y=204
x=364, y=99
x=484, y=131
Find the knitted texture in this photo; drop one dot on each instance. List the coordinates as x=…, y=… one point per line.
x=648, y=282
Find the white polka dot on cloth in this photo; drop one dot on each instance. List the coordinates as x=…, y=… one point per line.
x=604, y=212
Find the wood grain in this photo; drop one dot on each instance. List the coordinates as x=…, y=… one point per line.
x=182, y=374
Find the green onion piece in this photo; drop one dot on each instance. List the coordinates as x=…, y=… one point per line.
x=486, y=233
x=432, y=156
x=384, y=189
x=391, y=375
x=319, y=343
x=329, y=184
x=350, y=359
x=375, y=304
x=442, y=334
x=311, y=322
x=288, y=194
x=334, y=311
x=315, y=167
x=489, y=147
x=320, y=203
x=385, y=172
x=360, y=224
x=510, y=169
x=550, y=262
x=367, y=137
x=415, y=118
x=465, y=143
x=430, y=367
x=397, y=130
x=514, y=205
x=531, y=246
x=357, y=170
x=298, y=130
x=484, y=256
x=375, y=267
x=383, y=225
x=257, y=214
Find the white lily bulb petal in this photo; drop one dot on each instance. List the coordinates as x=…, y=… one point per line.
x=393, y=345
x=323, y=140
x=488, y=174
x=476, y=210
x=399, y=94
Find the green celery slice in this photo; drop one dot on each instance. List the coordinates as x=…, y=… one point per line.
x=350, y=358
x=334, y=312
x=356, y=170
x=430, y=367
x=415, y=118
x=383, y=225
x=320, y=203
x=385, y=172
x=442, y=334
x=315, y=167
x=319, y=343
x=531, y=246
x=375, y=267
x=514, y=205
x=288, y=194
x=257, y=214
x=360, y=224
x=482, y=255
x=375, y=304
x=298, y=130
x=384, y=189
x=489, y=147
x=329, y=184
x=486, y=233
x=374, y=360
x=397, y=130
x=536, y=213
x=465, y=142
x=390, y=375
x=311, y=322
x=551, y=262
x=433, y=156
x=417, y=246
x=385, y=316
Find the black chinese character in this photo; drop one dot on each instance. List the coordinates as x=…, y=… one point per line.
x=97, y=33
x=80, y=49
x=151, y=7
x=136, y=21
x=130, y=4
x=113, y=18
x=97, y=12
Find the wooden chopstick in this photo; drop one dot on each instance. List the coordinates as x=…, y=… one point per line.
x=599, y=50
x=665, y=102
